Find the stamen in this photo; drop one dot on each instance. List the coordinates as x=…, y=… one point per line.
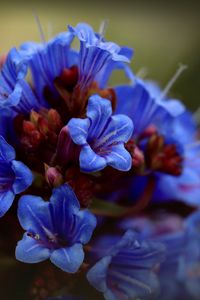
x=196, y=115
x=102, y=29
x=142, y=73
x=172, y=81
x=41, y=31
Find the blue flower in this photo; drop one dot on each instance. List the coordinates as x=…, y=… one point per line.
x=190, y=265
x=137, y=102
x=96, y=55
x=185, y=187
x=15, y=177
x=101, y=137
x=12, y=72
x=126, y=272
x=179, y=272
x=48, y=60
x=55, y=230
x=15, y=92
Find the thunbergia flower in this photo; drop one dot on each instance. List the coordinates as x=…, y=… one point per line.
x=101, y=137
x=55, y=230
x=15, y=177
x=126, y=272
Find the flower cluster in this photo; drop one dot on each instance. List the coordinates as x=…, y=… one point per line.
x=106, y=180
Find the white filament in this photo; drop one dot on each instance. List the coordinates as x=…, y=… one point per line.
x=172, y=81
x=102, y=28
x=39, y=26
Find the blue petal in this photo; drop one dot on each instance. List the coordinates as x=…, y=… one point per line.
x=173, y=106
x=6, y=124
x=86, y=223
x=97, y=275
x=99, y=111
x=29, y=250
x=68, y=259
x=95, y=53
x=62, y=193
x=23, y=175
x=119, y=130
x=119, y=158
x=63, y=205
x=137, y=103
x=28, y=100
x=34, y=215
x=90, y=161
x=7, y=152
x=78, y=129
x=14, y=69
x=6, y=200
x=49, y=60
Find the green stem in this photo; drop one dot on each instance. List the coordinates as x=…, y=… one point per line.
x=107, y=209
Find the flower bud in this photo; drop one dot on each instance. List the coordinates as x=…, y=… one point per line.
x=53, y=176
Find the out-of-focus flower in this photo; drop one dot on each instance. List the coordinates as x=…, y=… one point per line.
x=15, y=177
x=102, y=137
x=185, y=187
x=127, y=270
x=170, y=147
x=179, y=272
x=56, y=230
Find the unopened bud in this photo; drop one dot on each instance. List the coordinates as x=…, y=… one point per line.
x=54, y=119
x=138, y=157
x=53, y=176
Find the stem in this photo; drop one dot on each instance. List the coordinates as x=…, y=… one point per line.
x=144, y=199
x=108, y=209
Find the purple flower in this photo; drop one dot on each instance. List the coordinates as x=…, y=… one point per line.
x=126, y=272
x=15, y=177
x=101, y=137
x=55, y=230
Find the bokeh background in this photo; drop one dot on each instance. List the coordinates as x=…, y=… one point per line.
x=163, y=35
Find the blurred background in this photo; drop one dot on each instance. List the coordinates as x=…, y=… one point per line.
x=162, y=33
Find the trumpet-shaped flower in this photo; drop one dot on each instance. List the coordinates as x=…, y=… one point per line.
x=101, y=137
x=126, y=272
x=96, y=55
x=55, y=230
